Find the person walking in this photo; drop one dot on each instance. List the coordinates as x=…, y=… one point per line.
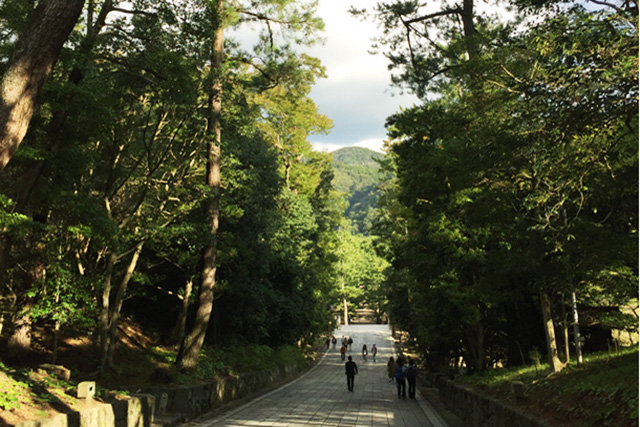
x=364, y=352
x=350, y=341
x=412, y=374
x=334, y=341
x=391, y=368
x=351, y=369
x=374, y=351
x=400, y=378
x=343, y=351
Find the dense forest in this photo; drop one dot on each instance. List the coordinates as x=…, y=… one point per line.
x=513, y=215
x=163, y=161
x=153, y=167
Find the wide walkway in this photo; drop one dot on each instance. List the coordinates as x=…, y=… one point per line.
x=320, y=397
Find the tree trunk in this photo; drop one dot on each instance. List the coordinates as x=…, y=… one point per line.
x=565, y=336
x=475, y=346
x=181, y=323
x=287, y=174
x=552, y=347
x=576, y=327
x=565, y=332
x=59, y=115
x=193, y=342
x=103, y=323
x=56, y=333
x=30, y=66
x=345, y=308
x=117, y=306
x=19, y=344
x=32, y=175
x=469, y=29
x=479, y=342
x=5, y=250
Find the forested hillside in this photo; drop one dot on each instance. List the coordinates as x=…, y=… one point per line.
x=358, y=175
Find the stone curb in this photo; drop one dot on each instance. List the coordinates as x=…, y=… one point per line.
x=188, y=402
x=477, y=410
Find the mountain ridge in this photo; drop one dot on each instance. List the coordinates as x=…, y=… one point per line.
x=358, y=175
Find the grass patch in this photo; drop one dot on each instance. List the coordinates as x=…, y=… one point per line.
x=238, y=359
x=32, y=394
x=602, y=391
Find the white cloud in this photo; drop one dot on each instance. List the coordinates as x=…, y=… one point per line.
x=328, y=147
x=325, y=147
x=371, y=144
x=356, y=94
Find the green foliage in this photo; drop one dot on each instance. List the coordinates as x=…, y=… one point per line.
x=518, y=176
x=9, y=400
x=15, y=223
x=250, y=358
x=361, y=271
x=70, y=304
x=116, y=159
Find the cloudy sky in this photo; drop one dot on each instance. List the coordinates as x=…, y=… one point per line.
x=356, y=94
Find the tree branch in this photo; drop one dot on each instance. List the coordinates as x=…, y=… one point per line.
x=604, y=3
x=445, y=12
x=265, y=18
x=134, y=12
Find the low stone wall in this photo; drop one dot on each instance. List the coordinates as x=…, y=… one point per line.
x=189, y=401
x=477, y=410
x=137, y=411
x=195, y=400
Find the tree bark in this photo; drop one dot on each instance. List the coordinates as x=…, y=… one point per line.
x=565, y=335
x=30, y=66
x=345, y=308
x=552, y=347
x=469, y=29
x=103, y=323
x=476, y=342
x=59, y=115
x=193, y=342
x=19, y=344
x=117, y=306
x=181, y=323
x=576, y=327
x=56, y=333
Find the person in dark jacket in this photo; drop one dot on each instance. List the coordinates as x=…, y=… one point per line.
x=391, y=368
x=351, y=369
x=411, y=374
x=400, y=378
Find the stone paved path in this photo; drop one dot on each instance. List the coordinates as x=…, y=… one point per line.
x=320, y=397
